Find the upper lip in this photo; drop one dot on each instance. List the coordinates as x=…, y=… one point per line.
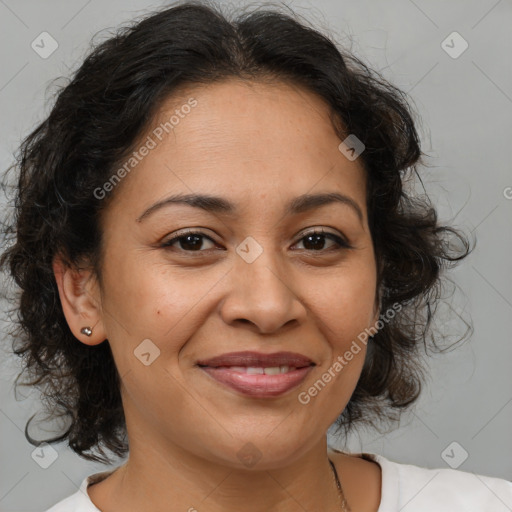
x=257, y=359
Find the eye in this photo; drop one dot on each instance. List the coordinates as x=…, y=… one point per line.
x=189, y=241
x=193, y=241
x=315, y=241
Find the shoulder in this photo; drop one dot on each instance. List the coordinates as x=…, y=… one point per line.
x=420, y=489
x=70, y=504
x=80, y=500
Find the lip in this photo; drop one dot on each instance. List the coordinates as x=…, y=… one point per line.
x=257, y=359
x=258, y=386
x=223, y=369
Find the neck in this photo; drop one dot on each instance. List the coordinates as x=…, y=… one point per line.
x=153, y=478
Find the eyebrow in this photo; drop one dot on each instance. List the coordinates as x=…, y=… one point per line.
x=215, y=204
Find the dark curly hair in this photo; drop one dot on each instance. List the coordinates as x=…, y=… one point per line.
x=96, y=121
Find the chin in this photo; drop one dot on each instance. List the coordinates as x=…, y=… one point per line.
x=258, y=451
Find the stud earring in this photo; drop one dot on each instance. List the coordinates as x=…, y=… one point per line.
x=86, y=330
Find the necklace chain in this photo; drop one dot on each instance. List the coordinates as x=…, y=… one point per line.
x=344, y=504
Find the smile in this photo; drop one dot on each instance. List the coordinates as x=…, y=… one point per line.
x=256, y=382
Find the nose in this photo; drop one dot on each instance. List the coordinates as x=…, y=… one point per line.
x=262, y=295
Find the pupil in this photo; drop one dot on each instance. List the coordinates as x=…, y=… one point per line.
x=318, y=241
x=186, y=244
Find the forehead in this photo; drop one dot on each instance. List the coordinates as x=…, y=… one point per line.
x=250, y=140
x=241, y=111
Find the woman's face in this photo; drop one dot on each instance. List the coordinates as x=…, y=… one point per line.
x=251, y=281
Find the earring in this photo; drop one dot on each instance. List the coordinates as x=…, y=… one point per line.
x=86, y=330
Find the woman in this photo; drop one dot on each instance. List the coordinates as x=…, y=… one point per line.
x=217, y=261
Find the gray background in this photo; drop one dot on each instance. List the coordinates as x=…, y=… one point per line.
x=465, y=104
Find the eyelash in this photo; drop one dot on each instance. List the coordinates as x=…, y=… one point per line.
x=341, y=243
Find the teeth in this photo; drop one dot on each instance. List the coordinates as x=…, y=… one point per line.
x=240, y=369
x=251, y=370
x=256, y=370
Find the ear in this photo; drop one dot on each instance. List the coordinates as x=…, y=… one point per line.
x=81, y=301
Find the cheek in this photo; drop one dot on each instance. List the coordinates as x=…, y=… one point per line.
x=154, y=313
x=345, y=311
x=154, y=302
x=345, y=304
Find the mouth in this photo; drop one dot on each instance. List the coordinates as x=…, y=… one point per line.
x=258, y=375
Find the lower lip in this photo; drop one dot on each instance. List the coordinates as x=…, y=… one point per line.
x=259, y=386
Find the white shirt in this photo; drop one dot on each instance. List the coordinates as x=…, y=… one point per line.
x=405, y=488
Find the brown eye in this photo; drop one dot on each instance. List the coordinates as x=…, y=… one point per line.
x=191, y=241
x=316, y=241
